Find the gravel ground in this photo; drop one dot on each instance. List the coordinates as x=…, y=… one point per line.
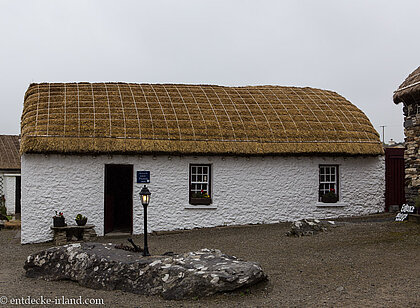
x=362, y=263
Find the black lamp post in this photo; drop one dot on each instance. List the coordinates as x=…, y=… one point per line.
x=145, y=199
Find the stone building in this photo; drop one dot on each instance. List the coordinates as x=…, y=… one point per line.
x=409, y=94
x=210, y=156
x=10, y=174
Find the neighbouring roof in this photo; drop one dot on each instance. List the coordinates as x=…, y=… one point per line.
x=9, y=152
x=132, y=118
x=409, y=90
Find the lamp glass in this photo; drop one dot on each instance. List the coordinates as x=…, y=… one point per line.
x=145, y=199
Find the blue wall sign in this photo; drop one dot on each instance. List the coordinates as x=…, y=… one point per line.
x=143, y=176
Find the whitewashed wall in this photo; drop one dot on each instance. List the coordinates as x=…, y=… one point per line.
x=9, y=187
x=2, y=188
x=245, y=190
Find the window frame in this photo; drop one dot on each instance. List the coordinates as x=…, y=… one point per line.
x=336, y=182
x=200, y=201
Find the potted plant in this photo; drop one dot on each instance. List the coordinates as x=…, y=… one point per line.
x=81, y=220
x=200, y=198
x=330, y=197
x=59, y=220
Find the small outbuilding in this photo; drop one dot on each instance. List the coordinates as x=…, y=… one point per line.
x=409, y=94
x=10, y=174
x=210, y=155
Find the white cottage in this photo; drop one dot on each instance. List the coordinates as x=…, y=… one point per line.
x=10, y=174
x=210, y=155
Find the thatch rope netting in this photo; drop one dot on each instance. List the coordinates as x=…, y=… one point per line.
x=409, y=91
x=192, y=119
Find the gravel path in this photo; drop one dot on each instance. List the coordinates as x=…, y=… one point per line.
x=365, y=264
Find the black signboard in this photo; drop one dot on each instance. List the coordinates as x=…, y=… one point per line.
x=143, y=176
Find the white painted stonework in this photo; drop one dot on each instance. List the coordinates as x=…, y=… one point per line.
x=1, y=183
x=244, y=190
x=9, y=187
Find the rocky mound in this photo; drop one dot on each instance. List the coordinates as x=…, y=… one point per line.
x=102, y=266
x=306, y=227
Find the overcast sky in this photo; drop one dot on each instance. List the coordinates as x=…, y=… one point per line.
x=361, y=49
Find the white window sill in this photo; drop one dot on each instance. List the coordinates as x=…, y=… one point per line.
x=337, y=204
x=200, y=207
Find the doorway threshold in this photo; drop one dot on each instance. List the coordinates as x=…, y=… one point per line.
x=117, y=234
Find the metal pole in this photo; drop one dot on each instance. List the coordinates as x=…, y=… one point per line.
x=146, y=248
x=383, y=133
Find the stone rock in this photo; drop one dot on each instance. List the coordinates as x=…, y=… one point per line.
x=102, y=266
x=308, y=227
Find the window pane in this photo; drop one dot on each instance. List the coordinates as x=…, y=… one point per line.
x=200, y=182
x=328, y=180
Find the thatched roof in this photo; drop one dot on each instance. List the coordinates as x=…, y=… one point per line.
x=192, y=119
x=9, y=152
x=409, y=90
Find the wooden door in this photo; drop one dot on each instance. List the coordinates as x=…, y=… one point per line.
x=394, y=177
x=118, y=198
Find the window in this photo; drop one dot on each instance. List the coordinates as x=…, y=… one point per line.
x=200, y=184
x=328, y=180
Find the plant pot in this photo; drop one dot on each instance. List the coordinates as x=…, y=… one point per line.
x=81, y=222
x=59, y=221
x=200, y=201
x=329, y=199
